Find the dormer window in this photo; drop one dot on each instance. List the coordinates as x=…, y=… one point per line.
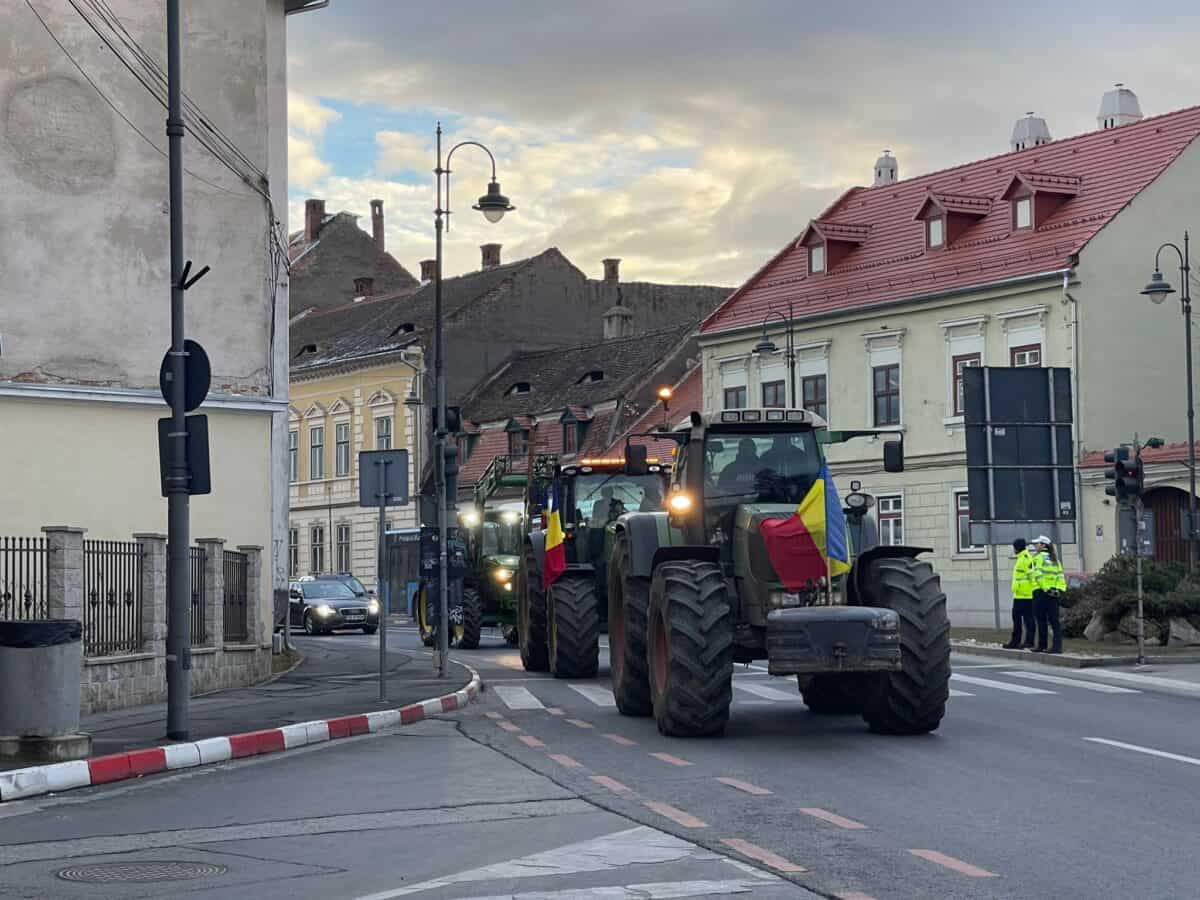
x=591, y=377
x=306, y=349
x=1023, y=212
x=935, y=232
x=1036, y=196
x=816, y=258
x=521, y=387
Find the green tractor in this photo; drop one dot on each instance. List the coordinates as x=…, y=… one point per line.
x=559, y=627
x=693, y=590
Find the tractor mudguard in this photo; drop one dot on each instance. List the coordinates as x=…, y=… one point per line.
x=702, y=552
x=642, y=532
x=862, y=562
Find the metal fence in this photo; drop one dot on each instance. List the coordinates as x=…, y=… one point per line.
x=23, y=578
x=199, y=623
x=236, y=576
x=112, y=597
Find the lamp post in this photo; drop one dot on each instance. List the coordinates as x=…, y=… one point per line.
x=766, y=345
x=1157, y=290
x=493, y=205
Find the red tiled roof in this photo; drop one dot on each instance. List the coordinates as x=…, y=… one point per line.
x=686, y=396
x=963, y=204
x=1103, y=169
x=490, y=443
x=1168, y=453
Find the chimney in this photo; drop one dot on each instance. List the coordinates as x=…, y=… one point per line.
x=314, y=215
x=377, y=225
x=428, y=269
x=887, y=170
x=611, y=270
x=364, y=286
x=1030, y=131
x=1119, y=107
x=618, y=318
x=491, y=255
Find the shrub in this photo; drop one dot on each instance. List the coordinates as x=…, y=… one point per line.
x=1167, y=594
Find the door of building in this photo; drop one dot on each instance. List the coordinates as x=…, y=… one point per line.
x=1168, y=505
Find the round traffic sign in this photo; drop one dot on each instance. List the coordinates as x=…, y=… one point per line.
x=196, y=378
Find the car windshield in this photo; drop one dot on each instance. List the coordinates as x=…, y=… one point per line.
x=353, y=583
x=327, y=590
x=602, y=496
x=760, y=466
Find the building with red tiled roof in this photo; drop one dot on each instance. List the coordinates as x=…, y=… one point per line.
x=1033, y=257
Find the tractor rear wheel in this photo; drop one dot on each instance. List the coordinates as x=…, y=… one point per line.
x=472, y=619
x=628, y=610
x=574, y=627
x=531, y=615
x=912, y=700
x=836, y=695
x=424, y=626
x=690, y=641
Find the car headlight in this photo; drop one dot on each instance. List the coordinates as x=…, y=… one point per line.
x=373, y=607
x=503, y=574
x=325, y=610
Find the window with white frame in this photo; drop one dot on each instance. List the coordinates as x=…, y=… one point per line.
x=812, y=364
x=884, y=378
x=316, y=452
x=343, y=548
x=1028, y=356
x=316, y=549
x=890, y=515
x=816, y=258
x=734, y=397
x=293, y=552
x=341, y=437
x=383, y=433
x=733, y=384
x=935, y=230
x=959, y=364
x=774, y=393
x=964, y=350
x=772, y=380
x=962, y=522
x=1025, y=336
x=293, y=456
x=1023, y=212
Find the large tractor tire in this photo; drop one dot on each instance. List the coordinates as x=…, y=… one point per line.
x=628, y=613
x=424, y=625
x=531, y=616
x=912, y=700
x=836, y=695
x=690, y=642
x=472, y=619
x=574, y=627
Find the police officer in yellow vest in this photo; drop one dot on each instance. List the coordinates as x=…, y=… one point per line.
x=1022, y=592
x=1049, y=583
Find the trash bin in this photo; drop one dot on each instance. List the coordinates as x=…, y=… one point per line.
x=40, y=668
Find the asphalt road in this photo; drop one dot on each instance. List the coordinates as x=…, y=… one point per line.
x=543, y=791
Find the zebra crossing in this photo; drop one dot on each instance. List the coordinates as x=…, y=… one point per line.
x=753, y=689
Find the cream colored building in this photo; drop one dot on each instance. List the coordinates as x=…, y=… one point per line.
x=1035, y=257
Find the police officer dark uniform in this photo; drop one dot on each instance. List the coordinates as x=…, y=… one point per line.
x=1050, y=583
x=1022, y=593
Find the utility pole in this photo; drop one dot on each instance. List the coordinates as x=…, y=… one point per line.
x=179, y=639
x=1139, y=536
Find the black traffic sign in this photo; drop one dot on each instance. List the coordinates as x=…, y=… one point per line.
x=196, y=378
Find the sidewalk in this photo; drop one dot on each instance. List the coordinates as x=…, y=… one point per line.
x=332, y=681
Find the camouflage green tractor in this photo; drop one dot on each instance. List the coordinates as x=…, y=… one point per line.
x=559, y=627
x=694, y=590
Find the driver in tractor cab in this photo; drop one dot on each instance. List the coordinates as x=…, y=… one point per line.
x=652, y=498
x=738, y=476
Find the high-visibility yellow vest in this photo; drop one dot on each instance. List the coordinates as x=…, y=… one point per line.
x=1049, y=575
x=1022, y=576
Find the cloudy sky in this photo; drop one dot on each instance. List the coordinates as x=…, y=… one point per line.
x=691, y=138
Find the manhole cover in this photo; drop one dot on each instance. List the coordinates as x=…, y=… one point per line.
x=141, y=872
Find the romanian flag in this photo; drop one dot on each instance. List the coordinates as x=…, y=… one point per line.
x=811, y=544
x=556, y=553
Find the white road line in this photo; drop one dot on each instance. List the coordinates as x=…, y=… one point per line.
x=1074, y=682
x=982, y=666
x=1190, y=687
x=594, y=693
x=517, y=697
x=767, y=693
x=954, y=693
x=1149, y=751
x=655, y=890
x=1000, y=685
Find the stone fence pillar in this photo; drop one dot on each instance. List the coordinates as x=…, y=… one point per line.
x=214, y=590
x=255, y=618
x=64, y=572
x=153, y=548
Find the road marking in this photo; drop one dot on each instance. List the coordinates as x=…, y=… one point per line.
x=1000, y=685
x=852, y=895
x=1149, y=751
x=655, y=890
x=517, y=697
x=567, y=762
x=963, y=868
x=508, y=726
x=744, y=786
x=623, y=741
x=833, y=818
x=594, y=693
x=1074, y=682
x=673, y=760
x=579, y=723
x=555, y=711
x=530, y=741
x=982, y=666
x=767, y=693
x=612, y=784
x=1190, y=687
x=766, y=857
x=954, y=693
x=493, y=715
x=678, y=816
x=509, y=661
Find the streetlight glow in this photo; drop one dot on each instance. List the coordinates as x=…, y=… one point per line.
x=664, y=393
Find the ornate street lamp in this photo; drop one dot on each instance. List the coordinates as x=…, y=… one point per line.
x=765, y=346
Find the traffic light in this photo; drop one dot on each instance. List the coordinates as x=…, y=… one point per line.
x=1135, y=478
x=1127, y=475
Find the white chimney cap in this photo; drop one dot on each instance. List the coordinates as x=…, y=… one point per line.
x=1119, y=107
x=1029, y=131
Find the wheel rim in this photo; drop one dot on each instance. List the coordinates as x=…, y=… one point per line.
x=659, y=653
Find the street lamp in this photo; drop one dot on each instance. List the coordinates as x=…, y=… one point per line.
x=493, y=205
x=765, y=345
x=1157, y=290
x=664, y=394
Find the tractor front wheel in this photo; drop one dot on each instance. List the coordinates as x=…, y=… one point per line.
x=531, y=615
x=628, y=609
x=690, y=642
x=472, y=619
x=574, y=627
x=912, y=700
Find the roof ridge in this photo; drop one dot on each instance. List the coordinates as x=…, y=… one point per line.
x=640, y=336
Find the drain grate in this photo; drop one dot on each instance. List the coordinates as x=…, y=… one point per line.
x=140, y=872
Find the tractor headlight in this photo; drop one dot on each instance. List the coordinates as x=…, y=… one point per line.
x=470, y=519
x=680, y=503
x=510, y=518
x=373, y=608
x=503, y=574
x=508, y=586
x=325, y=610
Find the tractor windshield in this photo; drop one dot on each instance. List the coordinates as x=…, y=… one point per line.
x=600, y=497
x=500, y=533
x=760, y=466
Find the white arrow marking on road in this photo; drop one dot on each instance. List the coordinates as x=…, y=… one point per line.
x=657, y=890
x=517, y=697
x=1000, y=685
x=594, y=693
x=1074, y=682
x=1149, y=751
x=1190, y=687
x=767, y=693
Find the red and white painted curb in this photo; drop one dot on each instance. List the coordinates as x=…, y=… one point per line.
x=34, y=781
